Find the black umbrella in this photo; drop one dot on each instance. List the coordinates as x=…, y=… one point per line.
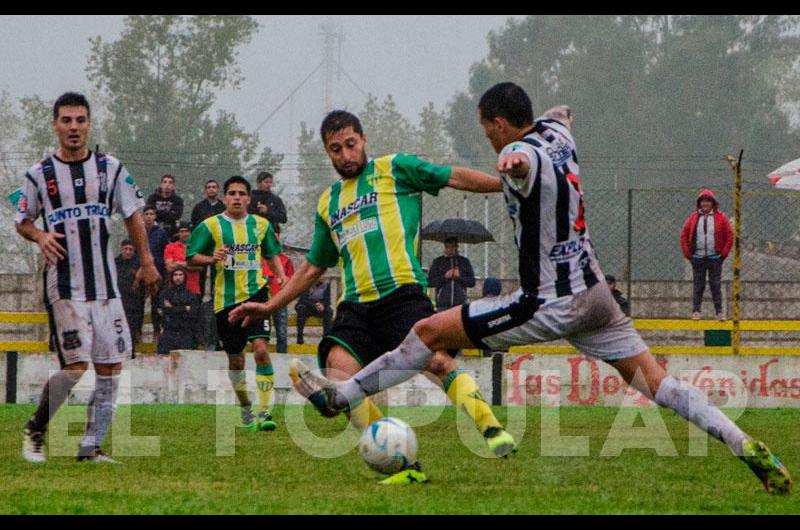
x=465, y=230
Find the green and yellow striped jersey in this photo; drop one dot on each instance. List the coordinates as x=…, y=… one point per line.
x=240, y=275
x=369, y=226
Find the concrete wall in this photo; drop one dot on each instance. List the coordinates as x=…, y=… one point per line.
x=568, y=380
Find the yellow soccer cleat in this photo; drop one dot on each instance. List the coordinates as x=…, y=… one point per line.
x=411, y=475
x=767, y=467
x=500, y=442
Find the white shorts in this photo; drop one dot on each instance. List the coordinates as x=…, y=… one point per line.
x=590, y=321
x=90, y=331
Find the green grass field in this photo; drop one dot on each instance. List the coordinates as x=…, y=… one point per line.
x=269, y=474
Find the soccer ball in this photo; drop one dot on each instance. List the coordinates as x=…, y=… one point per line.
x=388, y=445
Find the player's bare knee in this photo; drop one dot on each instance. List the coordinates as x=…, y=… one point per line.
x=427, y=331
x=236, y=362
x=340, y=364
x=441, y=365
x=261, y=352
x=76, y=370
x=108, y=370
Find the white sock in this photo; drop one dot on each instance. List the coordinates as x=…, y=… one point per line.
x=101, y=409
x=388, y=370
x=693, y=405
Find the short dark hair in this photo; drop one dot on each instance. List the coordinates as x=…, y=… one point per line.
x=167, y=176
x=264, y=175
x=126, y=243
x=236, y=179
x=209, y=181
x=71, y=99
x=610, y=279
x=336, y=121
x=149, y=207
x=509, y=101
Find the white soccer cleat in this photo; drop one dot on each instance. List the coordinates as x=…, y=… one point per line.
x=33, y=446
x=97, y=456
x=315, y=388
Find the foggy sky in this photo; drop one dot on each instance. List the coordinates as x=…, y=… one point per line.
x=416, y=58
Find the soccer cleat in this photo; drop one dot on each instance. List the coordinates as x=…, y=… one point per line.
x=315, y=388
x=249, y=422
x=411, y=475
x=697, y=315
x=767, y=467
x=33, y=446
x=500, y=442
x=264, y=421
x=95, y=455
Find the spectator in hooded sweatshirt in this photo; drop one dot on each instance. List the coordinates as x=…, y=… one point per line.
x=132, y=294
x=178, y=308
x=706, y=240
x=175, y=254
x=168, y=205
x=265, y=203
x=158, y=241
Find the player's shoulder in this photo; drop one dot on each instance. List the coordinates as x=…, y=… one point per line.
x=324, y=200
x=261, y=222
x=209, y=221
x=400, y=160
x=37, y=170
x=528, y=145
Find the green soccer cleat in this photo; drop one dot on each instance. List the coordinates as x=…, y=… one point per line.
x=500, y=442
x=411, y=475
x=264, y=421
x=249, y=422
x=767, y=467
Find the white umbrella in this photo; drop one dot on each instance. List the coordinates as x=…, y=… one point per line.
x=787, y=177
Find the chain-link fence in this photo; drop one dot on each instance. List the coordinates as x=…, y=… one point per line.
x=636, y=233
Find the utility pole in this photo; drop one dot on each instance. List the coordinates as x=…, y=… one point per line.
x=332, y=37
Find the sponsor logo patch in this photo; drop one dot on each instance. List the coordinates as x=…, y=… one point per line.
x=71, y=339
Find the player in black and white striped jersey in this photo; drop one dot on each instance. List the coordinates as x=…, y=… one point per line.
x=75, y=191
x=563, y=293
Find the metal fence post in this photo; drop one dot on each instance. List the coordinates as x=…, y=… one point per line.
x=497, y=379
x=629, y=272
x=736, y=165
x=11, y=377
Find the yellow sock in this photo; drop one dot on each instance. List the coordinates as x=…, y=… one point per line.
x=265, y=381
x=239, y=381
x=465, y=395
x=364, y=414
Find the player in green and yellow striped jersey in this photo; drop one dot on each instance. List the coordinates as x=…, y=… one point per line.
x=367, y=223
x=234, y=243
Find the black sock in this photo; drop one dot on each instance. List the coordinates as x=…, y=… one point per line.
x=54, y=394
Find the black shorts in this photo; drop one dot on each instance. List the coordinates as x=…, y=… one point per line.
x=370, y=329
x=233, y=336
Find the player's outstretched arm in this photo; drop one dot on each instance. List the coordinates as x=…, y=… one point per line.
x=147, y=273
x=516, y=164
x=306, y=276
x=47, y=241
x=562, y=113
x=466, y=179
x=276, y=266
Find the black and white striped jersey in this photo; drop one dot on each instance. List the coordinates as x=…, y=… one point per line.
x=556, y=257
x=76, y=199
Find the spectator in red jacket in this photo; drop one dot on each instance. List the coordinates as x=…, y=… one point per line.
x=706, y=240
x=280, y=318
